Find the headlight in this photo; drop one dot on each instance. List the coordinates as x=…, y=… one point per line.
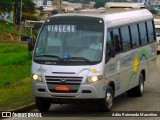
x=36, y=77
x=93, y=79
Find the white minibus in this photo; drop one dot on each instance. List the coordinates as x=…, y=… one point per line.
x=93, y=58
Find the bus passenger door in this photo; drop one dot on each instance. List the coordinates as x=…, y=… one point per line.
x=111, y=63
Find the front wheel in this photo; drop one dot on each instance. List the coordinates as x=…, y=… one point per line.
x=106, y=104
x=43, y=104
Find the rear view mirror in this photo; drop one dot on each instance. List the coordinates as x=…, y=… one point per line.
x=31, y=44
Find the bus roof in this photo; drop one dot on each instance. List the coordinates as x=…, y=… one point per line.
x=111, y=15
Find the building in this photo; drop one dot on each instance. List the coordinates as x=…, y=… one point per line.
x=66, y=6
x=38, y=3
x=47, y=3
x=68, y=9
x=55, y=4
x=75, y=6
x=43, y=3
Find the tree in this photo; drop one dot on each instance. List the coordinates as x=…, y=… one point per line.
x=153, y=11
x=40, y=8
x=101, y=3
x=28, y=8
x=54, y=12
x=5, y=5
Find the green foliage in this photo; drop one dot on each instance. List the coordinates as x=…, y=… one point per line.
x=40, y=8
x=15, y=82
x=54, y=12
x=6, y=26
x=13, y=28
x=28, y=7
x=5, y=5
x=153, y=11
x=17, y=95
x=101, y=3
x=14, y=63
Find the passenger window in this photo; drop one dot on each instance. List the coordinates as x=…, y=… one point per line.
x=143, y=33
x=109, y=39
x=134, y=35
x=150, y=31
x=117, y=41
x=125, y=38
x=110, y=49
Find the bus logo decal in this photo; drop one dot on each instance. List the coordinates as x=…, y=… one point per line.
x=63, y=80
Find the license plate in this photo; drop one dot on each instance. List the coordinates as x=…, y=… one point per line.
x=62, y=88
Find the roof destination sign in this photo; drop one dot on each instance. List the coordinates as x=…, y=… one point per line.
x=62, y=28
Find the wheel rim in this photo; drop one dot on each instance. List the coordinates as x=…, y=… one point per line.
x=109, y=99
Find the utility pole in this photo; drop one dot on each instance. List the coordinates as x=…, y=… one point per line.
x=20, y=21
x=60, y=4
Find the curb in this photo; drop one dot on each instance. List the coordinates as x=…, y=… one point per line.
x=24, y=108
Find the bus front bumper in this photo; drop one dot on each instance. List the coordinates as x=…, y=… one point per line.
x=86, y=91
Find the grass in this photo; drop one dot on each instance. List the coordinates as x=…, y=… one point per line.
x=15, y=69
x=16, y=95
x=14, y=63
x=12, y=28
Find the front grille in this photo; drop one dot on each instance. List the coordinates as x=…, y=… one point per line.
x=72, y=82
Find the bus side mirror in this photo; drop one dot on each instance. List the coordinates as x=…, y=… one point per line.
x=31, y=44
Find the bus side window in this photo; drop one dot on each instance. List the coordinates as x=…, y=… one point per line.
x=108, y=42
x=110, y=45
x=150, y=30
x=143, y=33
x=125, y=38
x=117, y=41
x=134, y=35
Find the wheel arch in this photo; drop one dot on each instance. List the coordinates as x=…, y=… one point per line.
x=112, y=85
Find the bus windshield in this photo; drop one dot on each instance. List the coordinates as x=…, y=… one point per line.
x=70, y=43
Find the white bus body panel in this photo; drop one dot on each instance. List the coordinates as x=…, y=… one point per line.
x=97, y=90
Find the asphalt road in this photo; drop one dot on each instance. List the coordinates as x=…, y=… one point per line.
x=149, y=102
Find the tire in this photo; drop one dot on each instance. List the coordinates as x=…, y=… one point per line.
x=138, y=91
x=106, y=104
x=43, y=104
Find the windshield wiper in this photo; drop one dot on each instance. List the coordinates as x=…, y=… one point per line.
x=55, y=56
x=81, y=58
